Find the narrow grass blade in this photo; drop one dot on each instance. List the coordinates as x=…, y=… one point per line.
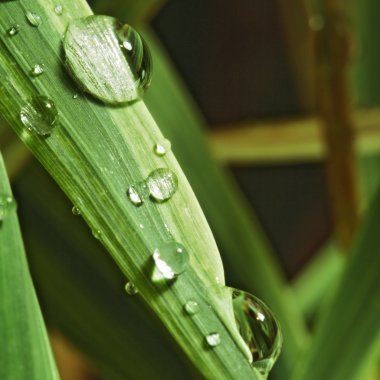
x=24, y=350
x=250, y=263
x=349, y=330
x=82, y=290
x=95, y=154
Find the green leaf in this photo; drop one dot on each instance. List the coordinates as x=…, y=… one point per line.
x=250, y=263
x=348, y=333
x=82, y=290
x=25, y=351
x=95, y=153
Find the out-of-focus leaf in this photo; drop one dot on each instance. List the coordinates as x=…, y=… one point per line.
x=25, y=351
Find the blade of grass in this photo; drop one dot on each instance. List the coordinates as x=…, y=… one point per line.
x=352, y=318
x=94, y=155
x=82, y=290
x=25, y=351
x=250, y=262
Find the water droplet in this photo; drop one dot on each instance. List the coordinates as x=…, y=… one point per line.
x=191, y=307
x=7, y=205
x=75, y=96
x=162, y=184
x=258, y=328
x=75, y=210
x=131, y=289
x=37, y=69
x=39, y=115
x=171, y=259
x=58, y=9
x=162, y=147
x=13, y=30
x=213, y=339
x=33, y=18
x=97, y=234
x=134, y=196
x=107, y=59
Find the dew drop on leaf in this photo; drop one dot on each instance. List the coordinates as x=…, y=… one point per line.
x=171, y=260
x=134, y=195
x=259, y=329
x=162, y=147
x=130, y=288
x=191, y=307
x=7, y=205
x=33, y=18
x=37, y=70
x=213, y=339
x=109, y=60
x=58, y=9
x=13, y=30
x=75, y=210
x=162, y=184
x=39, y=115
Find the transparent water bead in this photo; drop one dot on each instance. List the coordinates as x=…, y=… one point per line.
x=7, y=205
x=131, y=289
x=171, y=260
x=33, y=18
x=162, y=184
x=134, y=195
x=39, y=115
x=75, y=210
x=58, y=9
x=107, y=59
x=258, y=328
x=13, y=30
x=213, y=339
x=191, y=307
x=37, y=69
x=162, y=147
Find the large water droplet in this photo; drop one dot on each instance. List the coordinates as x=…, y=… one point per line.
x=258, y=328
x=131, y=289
x=162, y=184
x=213, y=339
x=37, y=70
x=171, y=259
x=39, y=115
x=191, y=307
x=13, y=30
x=162, y=147
x=107, y=59
x=7, y=205
x=33, y=18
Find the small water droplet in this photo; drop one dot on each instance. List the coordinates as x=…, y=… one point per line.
x=258, y=328
x=97, y=234
x=75, y=210
x=37, y=70
x=141, y=226
x=213, y=339
x=171, y=259
x=107, y=59
x=39, y=115
x=131, y=289
x=134, y=196
x=7, y=205
x=162, y=147
x=58, y=9
x=162, y=184
x=33, y=18
x=75, y=96
x=191, y=307
x=13, y=30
